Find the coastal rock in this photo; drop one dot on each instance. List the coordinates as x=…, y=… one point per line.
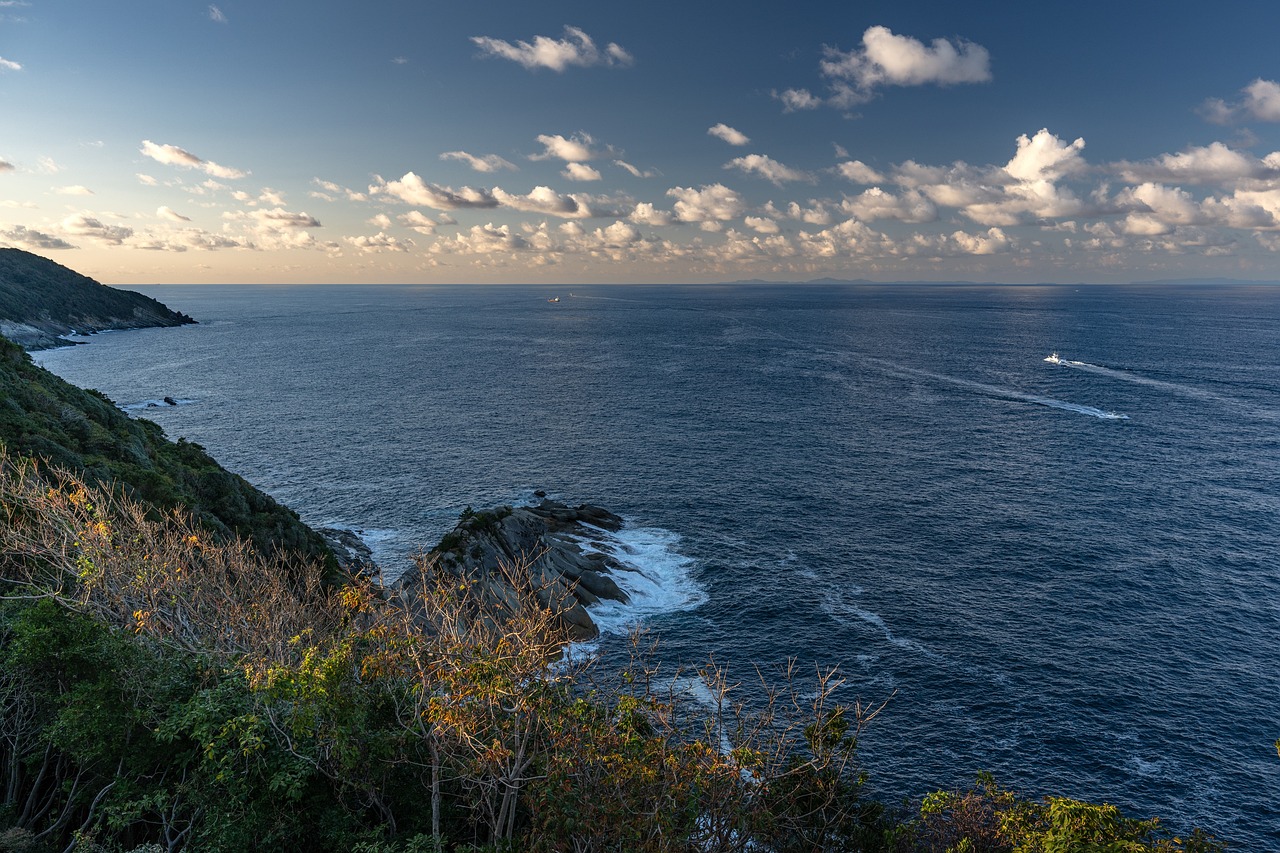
x=538, y=541
x=354, y=556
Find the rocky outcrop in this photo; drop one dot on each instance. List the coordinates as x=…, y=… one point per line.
x=353, y=555
x=538, y=539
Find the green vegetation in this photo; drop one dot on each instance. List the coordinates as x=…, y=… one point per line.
x=43, y=417
x=39, y=293
x=161, y=687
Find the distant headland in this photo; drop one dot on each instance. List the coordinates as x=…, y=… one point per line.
x=41, y=301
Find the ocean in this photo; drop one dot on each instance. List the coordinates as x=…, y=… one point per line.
x=1065, y=574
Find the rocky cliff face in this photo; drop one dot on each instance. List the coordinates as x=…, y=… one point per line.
x=41, y=300
x=564, y=576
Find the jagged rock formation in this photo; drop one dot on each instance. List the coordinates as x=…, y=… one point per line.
x=41, y=300
x=565, y=577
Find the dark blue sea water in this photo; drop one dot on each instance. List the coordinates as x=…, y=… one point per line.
x=1069, y=574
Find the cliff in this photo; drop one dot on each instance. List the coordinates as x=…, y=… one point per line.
x=41, y=300
x=44, y=417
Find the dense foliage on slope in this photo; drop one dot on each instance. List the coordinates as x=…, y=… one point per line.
x=42, y=299
x=42, y=416
x=161, y=690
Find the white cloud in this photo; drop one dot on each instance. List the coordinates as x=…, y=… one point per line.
x=1261, y=101
x=482, y=240
x=580, y=172
x=646, y=214
x=172, y=155
x=26, y=238
x=633, y=170
x=380, y=242
x=166, y=212
x=761, y=224
x=728, y=134
x=816, y=214
x=487, y=163
x=794, y=100
x=215, y=14
x=546, y=201
x=575, y=49
x=399, y=60
x=768, y=168
x=1214, y=163
x=892, y=60
x=411, y=189
x=418, y=221
x=146, y=180
x=712, y=203
x=994, y=241
x=9, y=65
x=330, y=186
x=859, y=172
x=74, y=189
x=1045, y=157
x=278, y=218
x=575, y=149
x=875, y=203
x=381, y=220
x=81, y=225
x=6, y=166
x=49, y=166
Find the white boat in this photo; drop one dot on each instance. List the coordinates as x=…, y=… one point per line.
x=1054, y=358
x=554, y=299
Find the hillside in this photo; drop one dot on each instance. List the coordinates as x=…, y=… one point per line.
x=42, y=416
x=41, y=299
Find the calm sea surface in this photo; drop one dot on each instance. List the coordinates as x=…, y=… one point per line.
x=1069, y=574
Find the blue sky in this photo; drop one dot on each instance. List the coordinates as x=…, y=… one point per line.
x=169, y=141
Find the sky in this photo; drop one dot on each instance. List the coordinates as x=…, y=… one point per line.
x=277, y=141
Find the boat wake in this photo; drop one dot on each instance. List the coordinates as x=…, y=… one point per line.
x=1181, y=390
x=1007, y=393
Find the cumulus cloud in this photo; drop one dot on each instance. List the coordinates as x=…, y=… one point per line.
x=728, y=134
x=482, y=240
x=146, y=180
x=172, y=155
x=546, y=201
x=275, y=219
x=381, y=220
x=768, y=168
x=875, y=203
x=166, y=212
x=216, y=15
x=761, y=224
x=26, y=238
x=1211, y=164
x=1261, y=100
x=575, y=49
x=380, y=242
x=575, y=149
x=859, y=172
x=886, y=59
x=418, y=221
x=713, y=203
x=486, y=163
x=794, y=100
x=411, y=189
x=74, y=189
x=9, y=65
x=580, y=172
x=815, y=214
x=646, y=214
x=1045, y=157
x=82, y=225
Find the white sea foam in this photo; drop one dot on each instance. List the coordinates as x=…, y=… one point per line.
x=655, y=576
x=838, y=608
x=1178, y=388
